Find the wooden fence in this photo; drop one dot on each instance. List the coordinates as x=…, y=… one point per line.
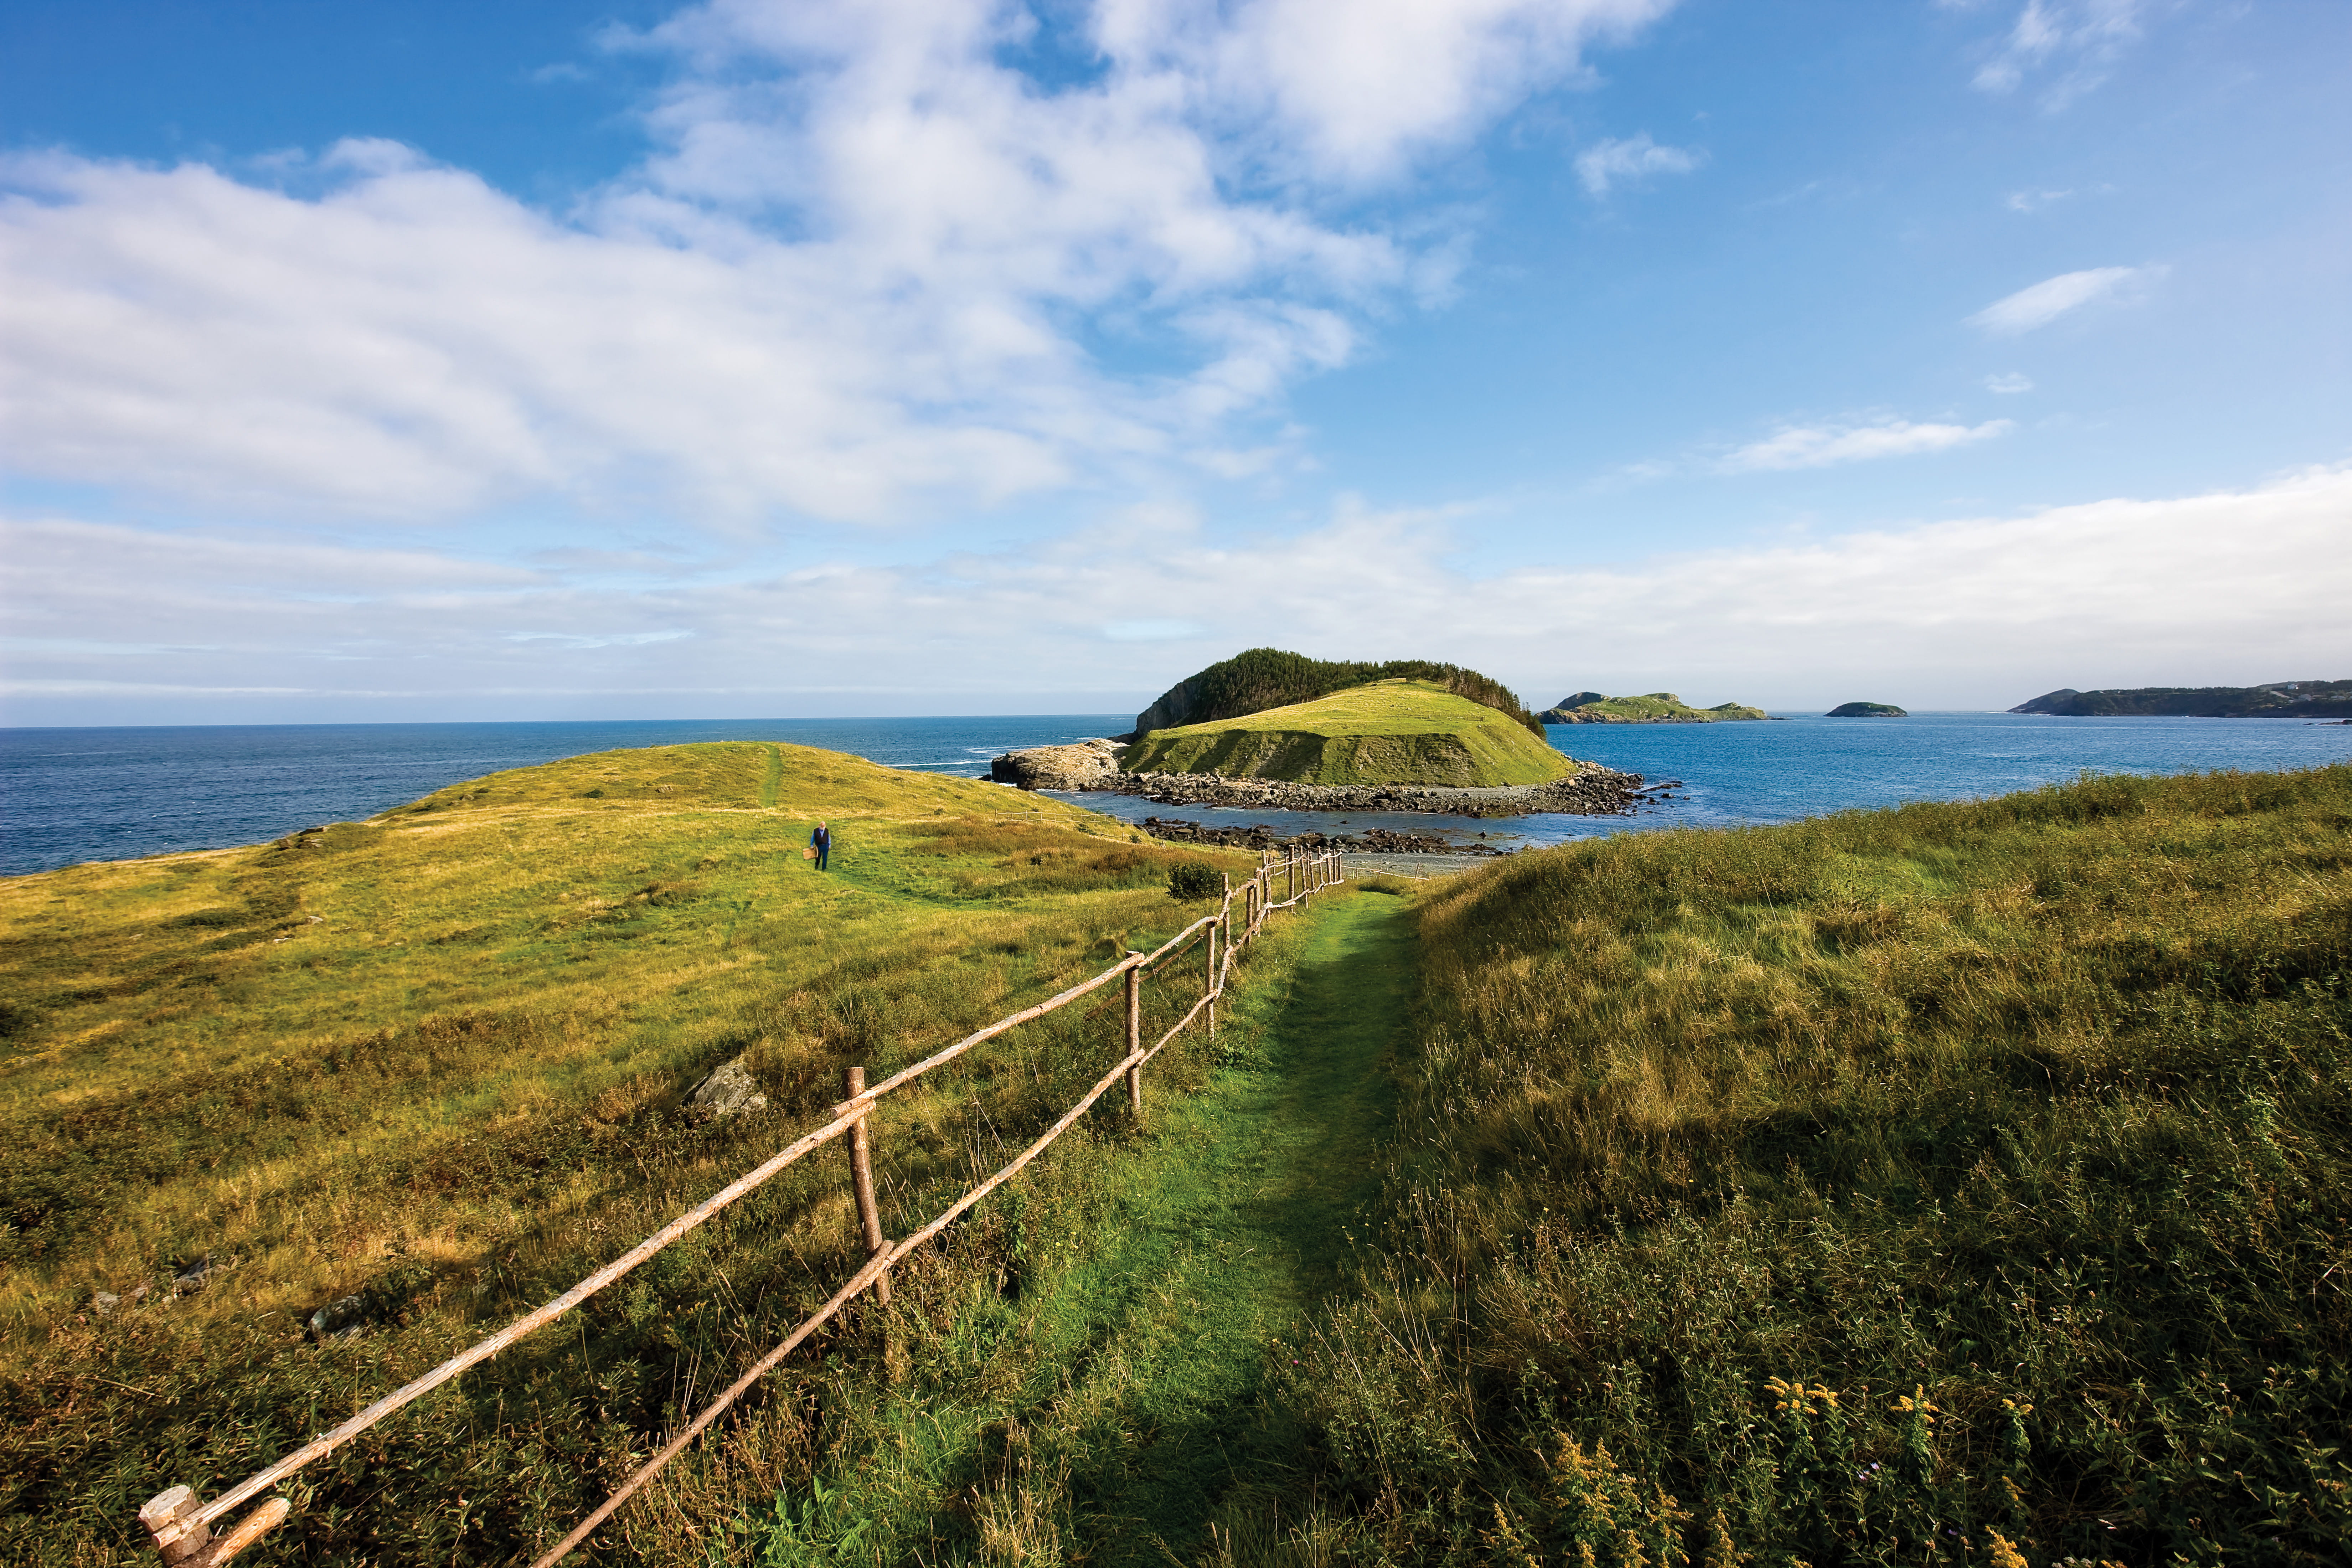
x=181, y=1526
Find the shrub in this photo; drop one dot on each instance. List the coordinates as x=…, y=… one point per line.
x=1194, y=880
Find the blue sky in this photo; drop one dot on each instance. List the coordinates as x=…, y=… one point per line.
x=548, y=360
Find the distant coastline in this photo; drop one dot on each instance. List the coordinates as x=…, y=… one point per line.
x=2278, y=700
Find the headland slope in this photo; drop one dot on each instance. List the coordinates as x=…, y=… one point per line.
x=1390, y=732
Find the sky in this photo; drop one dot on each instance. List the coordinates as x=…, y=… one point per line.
x=743, y=359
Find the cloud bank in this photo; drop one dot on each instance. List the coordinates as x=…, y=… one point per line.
x=2229, y=587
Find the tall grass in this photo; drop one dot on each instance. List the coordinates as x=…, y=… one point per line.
x=1961, y=1182
x=439, y=1061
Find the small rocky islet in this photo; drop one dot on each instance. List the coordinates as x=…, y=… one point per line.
x=1407, y=736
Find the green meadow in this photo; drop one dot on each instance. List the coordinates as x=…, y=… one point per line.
x=438, y=1060
x=1964, y=1184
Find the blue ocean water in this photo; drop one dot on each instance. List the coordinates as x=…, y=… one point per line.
x=72, y=794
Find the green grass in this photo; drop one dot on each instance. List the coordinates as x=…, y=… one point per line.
x=1118, y=1394
x=1660, y=706
x=1921, y=1186
x=438, y=1059
x=1390, y=731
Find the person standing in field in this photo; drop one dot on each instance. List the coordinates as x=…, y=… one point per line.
x=822, y=842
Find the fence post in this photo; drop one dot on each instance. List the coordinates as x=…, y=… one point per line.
x=1135, y=1039
x=861, y=1171
x=1212, y=981
x=175, y=1542
x=193, y=1542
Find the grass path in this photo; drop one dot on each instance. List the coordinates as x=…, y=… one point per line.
x=1150, y=1409
x=1237, y=1229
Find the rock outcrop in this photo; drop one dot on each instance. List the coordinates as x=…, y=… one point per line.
x=1082, y=765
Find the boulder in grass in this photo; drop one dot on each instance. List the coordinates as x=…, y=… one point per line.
x=728, y=1090
x=339, y=1320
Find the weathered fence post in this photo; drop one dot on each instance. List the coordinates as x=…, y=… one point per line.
x=861, y=1171
x=1210, y=943
x=175, y=1541
x=1135, y=1038
x=181, y=1537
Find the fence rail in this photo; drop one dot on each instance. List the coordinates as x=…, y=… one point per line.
x=181, y=1525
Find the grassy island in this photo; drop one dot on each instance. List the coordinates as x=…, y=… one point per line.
x=1654, y=708
x=1390, y=731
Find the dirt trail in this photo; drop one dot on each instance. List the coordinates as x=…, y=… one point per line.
x=1227, y=1236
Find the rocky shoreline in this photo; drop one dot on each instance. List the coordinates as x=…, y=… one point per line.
x=1371, y=841
x=1093, y=765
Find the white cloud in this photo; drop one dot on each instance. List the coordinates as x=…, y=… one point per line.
x=2052, y=297
x=872, y=267
x=1631, y=160
x=2034, y=201
x=2075, y=41
x=2242, y=586
x=1822, y=445
x=2010, y=383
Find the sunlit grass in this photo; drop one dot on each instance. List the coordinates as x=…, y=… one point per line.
x=438, y=1059
x=1873, y=1186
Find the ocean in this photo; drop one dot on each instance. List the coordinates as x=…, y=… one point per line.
x=75, y=795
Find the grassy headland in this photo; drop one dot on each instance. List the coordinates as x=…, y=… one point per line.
x=1656, y=708
x=437, y=1060
x=1390, y=731
x=1963, y=1183
x=1263, y=678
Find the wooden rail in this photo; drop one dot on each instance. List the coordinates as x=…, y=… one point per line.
x=180, y=1527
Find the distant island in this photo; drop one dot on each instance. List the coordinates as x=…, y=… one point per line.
x=1405, y=735
x=1263, y=678
x=2279, y=700
x=1866, y=710
x=1656, y=708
